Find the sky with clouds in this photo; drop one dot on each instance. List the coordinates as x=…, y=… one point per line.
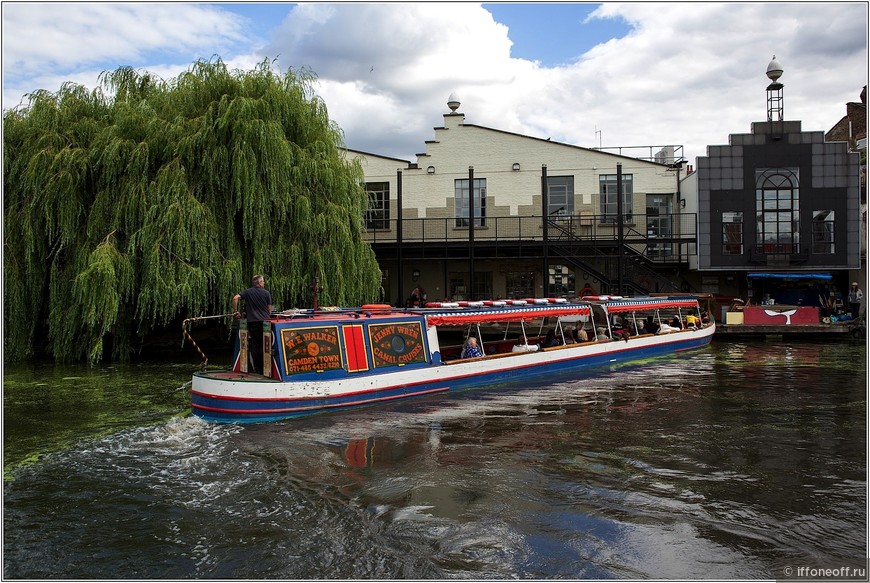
x=622, y=74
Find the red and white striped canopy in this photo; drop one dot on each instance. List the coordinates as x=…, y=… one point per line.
x=648, y=304
x=505, y=314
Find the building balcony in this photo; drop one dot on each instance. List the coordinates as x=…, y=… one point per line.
x=664, y=228
x=660, y=238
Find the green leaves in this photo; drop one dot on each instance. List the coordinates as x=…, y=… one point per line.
x=127, y=213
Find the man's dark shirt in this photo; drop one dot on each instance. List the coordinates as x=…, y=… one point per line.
x=257, y=302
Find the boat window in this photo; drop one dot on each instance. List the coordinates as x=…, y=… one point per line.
x=396, y=343
x=311, y=349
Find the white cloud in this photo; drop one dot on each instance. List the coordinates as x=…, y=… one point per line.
x=687, y=73
x=70, y=34
x=48, y=44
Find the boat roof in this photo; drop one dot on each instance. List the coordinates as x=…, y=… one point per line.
x=464, y=315
x=648, y=304
x=473, y=312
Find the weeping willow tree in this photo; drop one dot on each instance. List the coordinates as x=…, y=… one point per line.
x=125, y=213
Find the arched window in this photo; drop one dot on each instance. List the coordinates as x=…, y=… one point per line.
x=777, y=211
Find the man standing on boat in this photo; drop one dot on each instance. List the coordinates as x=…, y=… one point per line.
x=258, y=307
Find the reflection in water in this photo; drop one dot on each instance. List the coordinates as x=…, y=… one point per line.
x=722, y=464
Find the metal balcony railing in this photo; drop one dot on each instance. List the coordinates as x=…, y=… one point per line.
x=654, y=236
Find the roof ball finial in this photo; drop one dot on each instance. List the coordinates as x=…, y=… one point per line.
x=453, y=102
x=774, y=70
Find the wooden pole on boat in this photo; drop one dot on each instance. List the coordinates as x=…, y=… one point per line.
x=471, y=233
x=267, y=349
x=243, y=345
x=185, y=330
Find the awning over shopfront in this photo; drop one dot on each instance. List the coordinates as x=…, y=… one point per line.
x=824, y=276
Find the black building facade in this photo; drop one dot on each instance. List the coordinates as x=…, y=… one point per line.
x=779, y=199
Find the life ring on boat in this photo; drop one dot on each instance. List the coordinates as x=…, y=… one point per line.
x=377, y=307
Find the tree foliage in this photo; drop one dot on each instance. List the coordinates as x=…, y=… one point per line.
x=124, y=213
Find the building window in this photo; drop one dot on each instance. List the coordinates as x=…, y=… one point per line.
x=520, y=284
x=461, y=202
x=560, y=196
x=659, y=214
x=607, y=183
x=732, y=233
x=459, y=285
x=561, y=282
x=777, y=211
x=378, y=213
x=823, y=232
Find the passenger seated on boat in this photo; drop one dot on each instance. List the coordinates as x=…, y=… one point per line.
x=471, y=349
x=623, y=333
x=692, y=322
x=525, y=348
x=666, y=328
x=650, y=326
x=677, y=323
x=570, y=335
x=551, y=340
x=581, y=335
x=601, y=334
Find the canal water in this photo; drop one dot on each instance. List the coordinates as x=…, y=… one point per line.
x=734, y=462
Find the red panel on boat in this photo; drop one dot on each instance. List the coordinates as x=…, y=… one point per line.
x=355, y=347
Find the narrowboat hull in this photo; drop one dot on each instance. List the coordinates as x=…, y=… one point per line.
x=240, y=397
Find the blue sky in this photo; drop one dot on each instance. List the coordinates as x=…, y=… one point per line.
x=554, y=34
x=614, y=74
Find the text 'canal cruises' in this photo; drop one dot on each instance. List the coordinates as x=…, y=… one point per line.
x=327, y=359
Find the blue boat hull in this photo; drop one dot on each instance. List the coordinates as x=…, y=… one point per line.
x=248, y=409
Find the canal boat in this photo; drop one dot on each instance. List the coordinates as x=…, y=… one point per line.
x=322, y=360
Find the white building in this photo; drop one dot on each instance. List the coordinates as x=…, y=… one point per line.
x=510, y=250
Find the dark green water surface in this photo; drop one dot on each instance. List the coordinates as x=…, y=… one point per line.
x=734, y=462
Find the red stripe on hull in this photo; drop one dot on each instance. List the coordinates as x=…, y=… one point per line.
x=314, y=408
